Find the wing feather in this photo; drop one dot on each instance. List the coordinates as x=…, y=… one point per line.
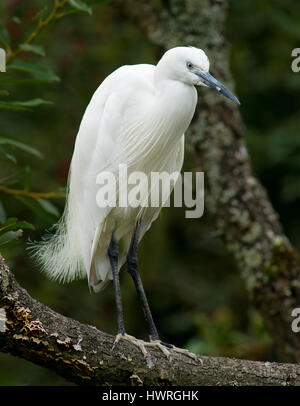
x=67, y=254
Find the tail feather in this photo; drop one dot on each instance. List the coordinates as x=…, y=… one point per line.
x=58, y=255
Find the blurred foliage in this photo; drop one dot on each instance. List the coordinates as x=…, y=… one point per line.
x=196, y=294
x=18, y=71
x=261, y=63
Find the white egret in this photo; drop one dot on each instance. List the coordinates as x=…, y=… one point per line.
x=137, y=117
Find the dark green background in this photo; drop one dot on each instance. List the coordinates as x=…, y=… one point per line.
x=196, y=294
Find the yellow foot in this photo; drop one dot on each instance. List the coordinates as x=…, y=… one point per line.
x=139, y=343
x=163, y=348
x=142, y=345
x=187, y=353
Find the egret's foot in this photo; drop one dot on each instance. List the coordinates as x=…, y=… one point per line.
x=163, y=347
x=142, y=344
x=187, y=353
x=166, y=344
x=139, y=343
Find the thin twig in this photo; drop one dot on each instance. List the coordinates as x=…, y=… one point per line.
x=33, y=195
x=40, y=25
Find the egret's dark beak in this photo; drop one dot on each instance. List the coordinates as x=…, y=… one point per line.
x=210, y=81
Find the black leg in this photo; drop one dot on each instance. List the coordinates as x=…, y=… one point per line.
x=113, y=253
x=132, y=263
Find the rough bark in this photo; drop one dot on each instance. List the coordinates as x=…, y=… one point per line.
x=243, y=216
x=85, y=355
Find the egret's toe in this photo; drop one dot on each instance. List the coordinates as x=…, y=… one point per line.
x=162, y=347
x=188, y=354
x=139, y=343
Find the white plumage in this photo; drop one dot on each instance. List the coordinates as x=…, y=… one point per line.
x=138, y=117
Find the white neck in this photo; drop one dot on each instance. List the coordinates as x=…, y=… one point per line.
x=175, y=104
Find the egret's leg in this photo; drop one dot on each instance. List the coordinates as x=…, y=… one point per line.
x=113, y=253
x=132, y=263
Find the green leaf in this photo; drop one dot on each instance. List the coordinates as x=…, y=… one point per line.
x=42, y=13
x=34, y=102
x=25, y=225
x=81, y=6
x=38, y=72
x=39, y=208
x=16, y=19
x=10, y=236
x=4, y=93
x=22, y=105
x=48, y=207
x=11, y=220
x=21, y=145
x=8, y=156
x=4, y=36
x=11, y=158
x=32, y=204
x=101, y=2
x=12, y=106
x=10, y=179
x=26, y=178
x=12, y=80
x=36, y=49
x=12, y=224
x=2, y=213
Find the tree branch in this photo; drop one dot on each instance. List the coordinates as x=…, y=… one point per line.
x=85, y=355
x=42, y=23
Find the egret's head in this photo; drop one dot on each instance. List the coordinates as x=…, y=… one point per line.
x=191, y=66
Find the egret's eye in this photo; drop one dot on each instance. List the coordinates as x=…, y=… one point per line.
x=189, y=65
